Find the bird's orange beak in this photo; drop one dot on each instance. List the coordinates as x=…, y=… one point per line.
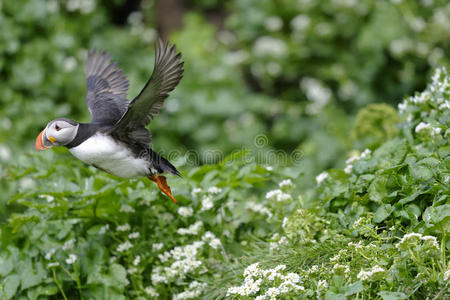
x=40, y=142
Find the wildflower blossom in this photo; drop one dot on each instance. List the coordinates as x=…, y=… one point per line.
x=321, y=177
x=207, y=204
x=157, y=246
x=49, y=198
x=259, y=208
x=72, y=259
x=185, y=211
x=134, y=235
x=136, y=260
x=196, y=191
x=124, y=227
x=278, y=195
x=286, y=183
x=132, y=270
x=50, y=253
x=124, y=247
x=214, y=190
x=151, y=292
x=191, y=230
x=69, y=244
x=447, y=275
x=367, y=275
x=127, y=209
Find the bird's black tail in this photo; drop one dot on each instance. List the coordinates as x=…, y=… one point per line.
x=161, y=164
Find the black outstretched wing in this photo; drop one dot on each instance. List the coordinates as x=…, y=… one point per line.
x=167, y=73
x=106, y=89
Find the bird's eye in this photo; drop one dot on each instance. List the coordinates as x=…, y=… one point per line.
x=57, y=127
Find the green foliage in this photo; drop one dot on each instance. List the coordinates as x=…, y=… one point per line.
x=276, y=87
x=374, y=124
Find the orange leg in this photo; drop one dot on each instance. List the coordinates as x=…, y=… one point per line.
x=162, y=185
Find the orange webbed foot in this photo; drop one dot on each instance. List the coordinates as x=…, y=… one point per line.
x=163, y=186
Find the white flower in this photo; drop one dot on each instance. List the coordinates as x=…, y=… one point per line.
x=157, y=246
x=348, y=169
x=214, y=190
x=321, y=177
x=124, y=227
x=72, y=259
x=279, y=195
x=421, y=126
x=270, y=46
x=286, y=183
x=49, y=198
x=300, y=22
x=366, y=275
x=103, y=229
x=134, y=235
x=136, y=260
x=53, y=264
x=50, y=253
x=132, y=270
x=69, y=63
x=365, y=153
x=196, y=191
x=69, y=244
x=285, y=220
x=207, y=204
x=269, y=168
x=151, y=292
x=191, y=230
x=124, y=247
x=273, y=23
x=127, y=209
x=259, y=208
x=447, y=275
x=185, y=211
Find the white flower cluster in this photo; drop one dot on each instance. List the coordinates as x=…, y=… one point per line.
x=286, y=183
x=259, y=208
x=150, y=291
x=196, y=191
x=84, y=6
x=127, y=209
x=103, y=229
x=193, y=292
x=207, y=203
x=191, y=230
x=278, y=195
x=256, y=279
x=428, y=127
x=447, y=275
x=124, y=246
x=185, y=211
x=211, y=239
x=433, y=95
x=414, y=237
x=349, y=168
x=367, y=275
x=124, y=227
x=184, y=261
x=269, y=46
x=71, y=259
x=214, y=190
x=157, y=246
x=321, y=177
x=317, y=93
x=341, y=269
x=49, y=198
x=69, y=244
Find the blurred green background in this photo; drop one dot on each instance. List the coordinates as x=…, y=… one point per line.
x=292, y=72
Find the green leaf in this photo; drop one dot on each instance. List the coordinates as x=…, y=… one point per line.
x=354, y=288
x=438, y=215
x=11, y=284
x=382, y=213
x=377, y=189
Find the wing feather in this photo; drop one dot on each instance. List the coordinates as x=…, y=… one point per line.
x=166, y=75
x=106, y=88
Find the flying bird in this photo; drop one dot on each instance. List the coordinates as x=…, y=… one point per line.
x=116, y=140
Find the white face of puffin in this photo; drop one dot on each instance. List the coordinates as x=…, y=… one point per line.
x=58, y=132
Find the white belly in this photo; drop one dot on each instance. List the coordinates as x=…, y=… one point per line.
x=111, y=156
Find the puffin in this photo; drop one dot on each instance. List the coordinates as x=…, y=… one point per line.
x=117, y=140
